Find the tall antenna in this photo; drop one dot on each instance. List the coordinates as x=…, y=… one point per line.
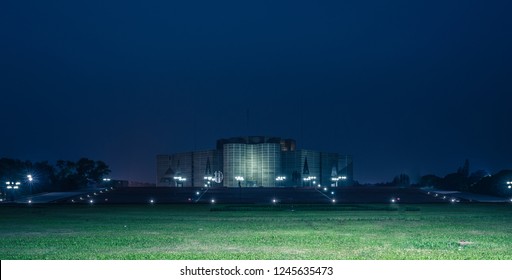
x=194, y=132
x=301, y=105
x=247, y=122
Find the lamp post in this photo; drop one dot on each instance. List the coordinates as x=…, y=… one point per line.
x=208, y=181
x=180, y=180
x=336, y=179
x=308, y=179
x=12, y=187
x=30, y=179
x=240, y=179
x=280, y=180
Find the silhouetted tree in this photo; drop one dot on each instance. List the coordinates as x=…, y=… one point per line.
x=464, y=170
x=402, y=180
x=430, y=181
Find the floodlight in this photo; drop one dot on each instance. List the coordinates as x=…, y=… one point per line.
x=334, y=201
x=30, y=201
x=151, y=201
x=213, y=201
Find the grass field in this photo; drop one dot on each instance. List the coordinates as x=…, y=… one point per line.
x=373, y=232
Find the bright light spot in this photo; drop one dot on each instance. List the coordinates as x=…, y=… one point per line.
x=16, y=187
x=72, y=200
x=95, y=194
x=334, y=201
x=151, y=201
x=510, y=187
x=88, y=196
x=325, y=189
x=332, y=192
x=9, y=187
x=213, y=201
x=81, y=198
x=30, y=201
x=444, y=197
x=343, y=177
x=274, y=200
x=91, y=201
x=197, y=193
x=18, y=183
x=392, y=201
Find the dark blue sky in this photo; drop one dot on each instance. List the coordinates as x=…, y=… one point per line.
x=403, y=86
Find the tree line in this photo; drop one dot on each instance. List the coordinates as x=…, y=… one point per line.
x=64, y=175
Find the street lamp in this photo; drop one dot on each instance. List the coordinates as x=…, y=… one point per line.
x=179, y=180
x=208, y=180
x=240, y=179
x=336, y=179
x=12, y=187
x=280, y=179
x=309, y=179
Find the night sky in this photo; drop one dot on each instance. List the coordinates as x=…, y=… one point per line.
x=403, y=86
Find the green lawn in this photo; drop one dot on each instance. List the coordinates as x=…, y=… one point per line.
x=308, y=232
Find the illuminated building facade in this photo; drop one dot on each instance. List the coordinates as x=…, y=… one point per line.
x=255, y=161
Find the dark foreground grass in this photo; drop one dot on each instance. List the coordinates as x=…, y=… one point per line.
x=231, y=232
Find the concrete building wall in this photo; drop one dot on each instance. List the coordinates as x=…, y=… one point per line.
x=260, y=160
